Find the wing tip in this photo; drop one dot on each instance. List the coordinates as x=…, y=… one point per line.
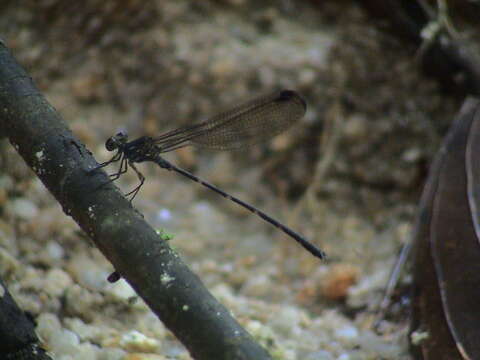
x=287, y=95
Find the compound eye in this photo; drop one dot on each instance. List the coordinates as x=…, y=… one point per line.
x=111, y=144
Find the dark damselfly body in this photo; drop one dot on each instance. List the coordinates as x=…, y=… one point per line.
x=246, y=124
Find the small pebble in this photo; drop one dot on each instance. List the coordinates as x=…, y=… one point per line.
x=136, y=341
x=347, y=333
x=54, y=250
x=257, y=286
x=88, y=272
x=338, y=280
x=164, y=215
x=47, y=325
x=56, y=282
x=121, y=290
x=24, y=209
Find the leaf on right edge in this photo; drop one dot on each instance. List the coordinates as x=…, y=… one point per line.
x=446, y=303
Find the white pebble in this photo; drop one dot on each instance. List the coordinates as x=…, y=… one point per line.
x=54, y=250
x=347, y=333
x=56, y=282
x=121, y=290
x=47, y=324
x=64, y=341
x=136, y=341
x=88, y=272
x=164, y=215
x=24, y=209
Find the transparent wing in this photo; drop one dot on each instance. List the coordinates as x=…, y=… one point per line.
x=252, y=122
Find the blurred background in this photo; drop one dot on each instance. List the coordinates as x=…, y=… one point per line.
x=348, y=176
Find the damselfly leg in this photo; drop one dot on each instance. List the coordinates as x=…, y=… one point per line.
x=122, y=169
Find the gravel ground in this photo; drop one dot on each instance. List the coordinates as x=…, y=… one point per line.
x=347, y=176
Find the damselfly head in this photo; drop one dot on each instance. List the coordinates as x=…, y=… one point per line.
x=116, y=141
